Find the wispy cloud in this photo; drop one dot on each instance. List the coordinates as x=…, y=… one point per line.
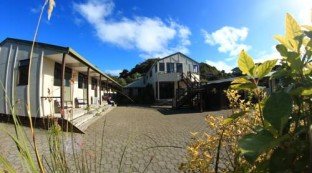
x=151, y=36
x=228, y=39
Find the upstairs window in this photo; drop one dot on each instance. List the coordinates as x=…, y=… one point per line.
x=161, y=66
x=23, y=72
x=195, y=68
x=82, y=81
x=179, y=67
x=170, y=67
x=58, y=75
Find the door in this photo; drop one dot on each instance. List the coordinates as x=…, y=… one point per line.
x=166, y=90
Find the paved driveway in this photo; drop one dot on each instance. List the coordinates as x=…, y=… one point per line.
x=144, y=136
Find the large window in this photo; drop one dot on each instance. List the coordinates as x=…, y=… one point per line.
x=23, y=72
x=58, y=75
x=179, y=67
x=170, y=67
x=82, y=81
x=93, y=83
x=161, y=66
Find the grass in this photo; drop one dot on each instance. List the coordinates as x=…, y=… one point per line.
x=58, y=158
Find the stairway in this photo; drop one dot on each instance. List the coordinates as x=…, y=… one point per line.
x=190, y=97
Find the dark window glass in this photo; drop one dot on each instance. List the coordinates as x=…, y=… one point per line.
x=58, y=75
x=93, y=83
x=82, y=80
x=161, y=66
x=170, y=67
x=179, y=67
x=68, y=76
x=23, y=72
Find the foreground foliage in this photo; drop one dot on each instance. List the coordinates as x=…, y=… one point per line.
x=265, y=133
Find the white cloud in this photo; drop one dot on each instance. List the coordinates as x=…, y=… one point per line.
x=221, y=65
x=267, y=55
x=113, y=72
x=228, y=39
x=302, y=10
x=151, y=36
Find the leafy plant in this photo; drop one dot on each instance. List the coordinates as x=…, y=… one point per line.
x=272, y=134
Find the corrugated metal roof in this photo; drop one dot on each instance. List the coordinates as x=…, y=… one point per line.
x=136, y=84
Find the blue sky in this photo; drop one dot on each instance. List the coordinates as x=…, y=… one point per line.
x=117, y=34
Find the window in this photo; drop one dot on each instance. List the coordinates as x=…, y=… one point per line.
x=103, y=85
x=23, y=72
x=195, y=68
x=93, y=83
x=179, y=67
x=170, y=67
x=161, y=66
x=82, y=81
x=58, y=75
x=155, y=68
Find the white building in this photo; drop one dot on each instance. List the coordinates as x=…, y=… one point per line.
x=165, y=76
x=60, y=80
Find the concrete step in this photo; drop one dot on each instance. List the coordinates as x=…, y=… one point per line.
x=82, y=122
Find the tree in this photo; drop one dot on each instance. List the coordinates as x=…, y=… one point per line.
x=124, y=73
x=208, y=72
x=236, y=72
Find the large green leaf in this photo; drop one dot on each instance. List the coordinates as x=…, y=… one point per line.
x=265, y=68
x=292, y=27
x=252, y=145
x=282, y=50
x=277, y=110
x=294, y=61
x=245, y=63
x=242, y=83
x=284, y=41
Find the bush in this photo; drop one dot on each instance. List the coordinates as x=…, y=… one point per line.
x=272, y=134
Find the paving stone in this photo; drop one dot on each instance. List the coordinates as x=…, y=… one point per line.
x=142, y=130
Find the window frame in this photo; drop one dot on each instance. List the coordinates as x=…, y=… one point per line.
x=58, y=75
x=82, y=81
x=94, y=82
x=168, y=65
x=23, y=69
x=179, y=68
x=162, y=66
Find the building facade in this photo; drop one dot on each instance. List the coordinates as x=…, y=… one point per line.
x=164, y=76
x=58, y=77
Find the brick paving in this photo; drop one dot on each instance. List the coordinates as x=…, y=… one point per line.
x=144, y=136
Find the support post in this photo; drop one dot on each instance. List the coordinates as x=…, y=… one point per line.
x=88, y=77
x=100, y=89
x=62, y=85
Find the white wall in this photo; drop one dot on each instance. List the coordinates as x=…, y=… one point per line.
x=163, y=76
x=10, y=92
